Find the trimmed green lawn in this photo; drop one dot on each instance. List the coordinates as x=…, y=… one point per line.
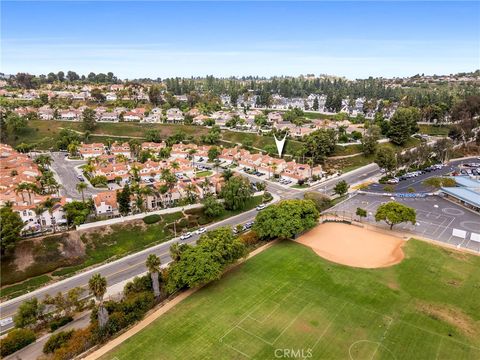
x=25, y=287
x=434, y=130
x=289, y=298
x=203, y=173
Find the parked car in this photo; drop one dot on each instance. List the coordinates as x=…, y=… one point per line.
x=261, y=207
x=80, y=177
x=393, y=181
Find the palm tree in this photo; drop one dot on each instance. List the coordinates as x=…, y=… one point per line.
x=175, y=165
x=175, y=251
x=43, y=160
x=121, y=158
x=153, y=266
x=227, y=174
x=81, y=186
x=72, y=148
x=27, y=187
x=274, y=168
x=98, y=287
x=21, y=188
x=191, y=193
x=310, y=163
x=146, y=191
x=49, y=204
x=192, y=153
x=39, y=209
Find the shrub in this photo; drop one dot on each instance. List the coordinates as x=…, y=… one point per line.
x=389, y=188
x=137, y=285
x=322, y=202
x=57, y=323
x=384, y=179
x=16, y=340
x=250, y=238
x=438, y=182
x=411, y=190
x=267, y=197
x=80, y=341
x=152, y=219
x=56, y=341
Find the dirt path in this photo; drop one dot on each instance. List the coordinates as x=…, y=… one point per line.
x=354, y=246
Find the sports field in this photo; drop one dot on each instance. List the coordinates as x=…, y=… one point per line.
x=287, y=300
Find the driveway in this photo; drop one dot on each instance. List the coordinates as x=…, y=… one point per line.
x=67, y=172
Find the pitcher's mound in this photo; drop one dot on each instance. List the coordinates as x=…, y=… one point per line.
x=354, y=246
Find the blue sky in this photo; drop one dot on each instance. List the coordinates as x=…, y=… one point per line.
x=161, y=39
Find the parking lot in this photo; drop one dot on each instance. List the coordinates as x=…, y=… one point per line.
x=437, y=219
x=67, y=172
x=416, y=182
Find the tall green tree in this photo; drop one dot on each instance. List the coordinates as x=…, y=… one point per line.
x=88, y=117
x=123, y=199
x=98, y=287
x=341, y=188
x=153, y=265
x=395, y=213
x=236, y=192
x=11, y=225
x=403, y=124
x=320, y=143
x=286, y=219
x=386, y=159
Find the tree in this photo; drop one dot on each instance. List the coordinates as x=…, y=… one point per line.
x=370, y=140
x=213, y=153
x=395, y=213
x=155, y=95
x=320, y=143
x=123, y=199
x=88, y=117
x=28, y=313
x=403, y=124
x=11, y=225
x=212, y=208
x=176, y=250
x=361, y=213
x=225, y=247
x=153, y=265
x=81, y=186
x=315, y=104
x=153, y=135
x=98, y=287
x=286, y=219
x=49, y=205
x=341, y=188
x=321, y=201
x=227, y=174
x=386, y=159
x=236, y=192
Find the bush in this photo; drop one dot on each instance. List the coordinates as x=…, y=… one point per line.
x=389, y=188
x=80, y=341
x=137, y=285
x=250, y=238
x=16, y=340
x=438, y=182
x=322, y=202
x=152, y=219
x=384, y=179
x=56, y=341
x=57, y=323
x=267, y=197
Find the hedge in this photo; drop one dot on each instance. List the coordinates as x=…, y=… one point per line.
x=16, y=340
x=152, y=219
x=57, y=323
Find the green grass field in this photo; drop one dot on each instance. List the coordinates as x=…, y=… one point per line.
x=289, y=298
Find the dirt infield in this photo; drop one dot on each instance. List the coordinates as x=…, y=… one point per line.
x=354, y=246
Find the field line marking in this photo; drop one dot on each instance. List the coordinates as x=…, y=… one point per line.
x=382, y=338
x=291, y=322
x=328, y=326
x=252, y=334
x=438, y=348
x=269, y=314
x=241, y=352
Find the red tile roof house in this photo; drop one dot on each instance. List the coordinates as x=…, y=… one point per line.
x=184, y=167
x=112, y=171
x=153, y=147
x=182, y=150
x=152, y=169
x=271, y=166
x=106, y=203
x=250, y=161
x=70, y=115
x=91, y=150
x=229, y=155
x=174, y=115
x=121, y=149
x=295, y=171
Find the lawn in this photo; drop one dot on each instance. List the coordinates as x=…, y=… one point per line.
x=434, y=130
x=260, y=142
x=289, y=298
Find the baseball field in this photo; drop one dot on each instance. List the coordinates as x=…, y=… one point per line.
x=287, y=302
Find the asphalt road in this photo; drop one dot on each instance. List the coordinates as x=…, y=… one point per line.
x=67, y=176
x=132, y=265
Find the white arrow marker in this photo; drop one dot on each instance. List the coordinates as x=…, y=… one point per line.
x=280, y=144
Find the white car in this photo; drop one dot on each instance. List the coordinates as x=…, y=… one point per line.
x=200, y=231
x=393, y=181
x=186, y=236
x=261, y=207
